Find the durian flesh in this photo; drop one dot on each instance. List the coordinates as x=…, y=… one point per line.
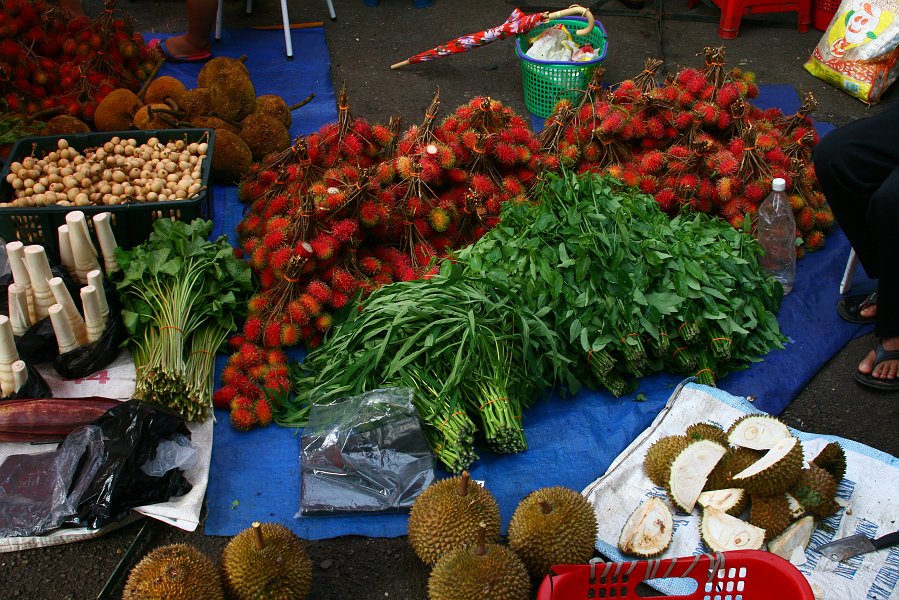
x=731, y=500
x=775, y=472
x=722, y=532
x=690, y=470
x=759, y=432
x=792, y=542
x=648, y=531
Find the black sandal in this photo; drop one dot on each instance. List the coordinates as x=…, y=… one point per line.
x=850, y=308
x=877, y=383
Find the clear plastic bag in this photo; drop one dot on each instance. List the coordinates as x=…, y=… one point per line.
x=364, y=454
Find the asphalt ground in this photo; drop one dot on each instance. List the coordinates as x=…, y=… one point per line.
x=364, y=41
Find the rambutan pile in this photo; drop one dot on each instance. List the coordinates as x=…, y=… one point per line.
x=50, y=61
x=695, y=143
x=355, y=206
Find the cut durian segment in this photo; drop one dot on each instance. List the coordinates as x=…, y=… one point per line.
x=722, y=532
x=832, y=459
x=648, y=531
x=775, y=472
x=733, y=501
x=660, y=455
x=689, y=471
x=759, y=432
x=735, y=460
x=796, y=509
x=792, y=542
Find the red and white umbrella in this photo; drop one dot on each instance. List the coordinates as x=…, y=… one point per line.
x=517, y=23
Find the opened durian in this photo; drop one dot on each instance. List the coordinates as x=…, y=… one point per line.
x=722, y=532
x=775, y=472
x=648, y=531
x=268, y=561
x=816, y=490
x=174, y=572
x=551, y=526
x=447, y=515
x=735, y=460
x=707, y=431
x=792, y=542
x=690, y=470
x=479, y=571
x=733, y=501
x=832, y=459
x=771, y=513
x=759, y=432
x=660, y=455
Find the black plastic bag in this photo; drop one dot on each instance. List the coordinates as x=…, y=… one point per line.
x=132, y=432
x=364, y=454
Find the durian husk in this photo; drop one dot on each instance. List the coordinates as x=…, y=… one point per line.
x=816, y=490
x=463, y=574
x=231, y=157
x=551, y=526
x=775, y=472
x=771, y=513
x=648, y=531
x=690, y=471
x=441, y=520
x=174, y=572
x=832, y=459
x=280, y=569
x=734, y=460
x=722, y=532
x=757, y=431
x=660, y=455
x=116, y=111
x=707, y=431
x=264, y=134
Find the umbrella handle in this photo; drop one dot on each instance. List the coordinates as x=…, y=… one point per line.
x=575, y=9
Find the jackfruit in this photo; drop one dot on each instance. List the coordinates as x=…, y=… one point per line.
x=231, y=158
x=268, y=561
x=232, y=97
x=735, y=460
x=148, y=117
x=771, y=513
x=816, y=490
x=447, y=515
x=660, y=455
x=757, y=431
x=733, y=501
x=116, y=111
x=775, y=472
x=648, y=531
x=551, y=526
x=163, y=88
x=264, y=134
x=832, y=459
x=174, y=572
x=218, y=67
x=194, y=102
x=689, y=471
x=721, y=532
x=274, y=106
x=65, y=125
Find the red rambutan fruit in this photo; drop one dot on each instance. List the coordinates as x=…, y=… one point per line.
x=280, y=258
x=726, y=187
x=221, y=398
x=439, y=219
x=345, y=230
x=289, y=335
x=667, y=200
x=482, y=185
x=266, y=278
x=652, y=162
x=339, y=300
x=755, y=192
x=252, y=329
x=648, y=184
x=323, y=246
x=263, y=412
x=242, y=419
x=724, y=163
x=824, y=219
x=324, y=322
x=506, y=154
x=805, y=220
x=370, y=265
x=272, y=336
x=814, y=240
x=319, y=290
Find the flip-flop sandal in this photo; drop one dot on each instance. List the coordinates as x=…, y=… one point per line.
x=159, y=44
x=850, y=308
x=880, y=355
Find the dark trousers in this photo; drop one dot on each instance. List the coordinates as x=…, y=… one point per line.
x=858, y=167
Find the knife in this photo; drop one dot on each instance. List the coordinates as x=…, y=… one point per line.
x=854, y=545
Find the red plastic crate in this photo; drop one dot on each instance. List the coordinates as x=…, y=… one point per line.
x=823, y=12
x=745, y=574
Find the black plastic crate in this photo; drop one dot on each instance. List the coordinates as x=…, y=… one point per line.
x=132, y=222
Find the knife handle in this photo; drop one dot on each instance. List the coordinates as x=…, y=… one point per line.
x=886, y=541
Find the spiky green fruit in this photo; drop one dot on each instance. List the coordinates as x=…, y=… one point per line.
x=759, y=432
x=466, y=574
x=174, y=572
x=832, y=459
x=816, y=490
x=552, y=526
x=690, y=470
x=267, y=560
x=771, y=513
x=735, y=460
x=775, y=472
x=733, y=501
x=721, y=532
x=447, y=515
x=660, y=455
x=707, y=431
x=648, y=531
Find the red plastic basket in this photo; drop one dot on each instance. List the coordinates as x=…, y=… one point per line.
x=744, y=574
x=823, y=12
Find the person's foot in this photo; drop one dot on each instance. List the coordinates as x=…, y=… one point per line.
x=181, y=49
x=884, y=368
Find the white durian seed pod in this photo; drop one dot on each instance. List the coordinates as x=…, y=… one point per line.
x=18, y=308
x=15, y=253
x=40, y=274
x=106, y=237
x=64, y=299
x=94, y=322
x=95, y=279
x=65, y=337
x=83, y=250
x=19, y=375
x=65, y=250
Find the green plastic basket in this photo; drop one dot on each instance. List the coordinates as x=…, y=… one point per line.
x=547, y=82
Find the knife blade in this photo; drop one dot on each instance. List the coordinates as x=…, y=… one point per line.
x=847, y=547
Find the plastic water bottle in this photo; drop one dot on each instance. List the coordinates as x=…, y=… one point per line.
x=776, y=231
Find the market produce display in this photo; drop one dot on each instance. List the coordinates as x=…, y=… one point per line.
x=177, y=572
x=266, y=560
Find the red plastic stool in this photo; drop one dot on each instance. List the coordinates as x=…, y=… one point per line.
x=747, y=574
x=733, y=10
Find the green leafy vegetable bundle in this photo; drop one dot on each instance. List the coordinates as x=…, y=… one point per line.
x=181, y=295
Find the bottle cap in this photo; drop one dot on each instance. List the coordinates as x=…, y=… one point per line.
x=779, y=184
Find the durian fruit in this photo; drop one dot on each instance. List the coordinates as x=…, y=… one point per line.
x=551, y=526
x=816, y=490
x=775, y=472
x=832, y=459
x=648, y=531
x=690, y=470
x=116, y=111
x=264, y=134
x=797, y=511
x=220, y=66
x=479, y=571
x=194, y=102
x=792, y=542
x=759, y=432
x=733, y=501
x=231, y=158
x=274, y=105
x=447, y=515
x=735, y=460
x=174, y=572
x=232, y=97
x=163, y=88
x=266, y=560
x=660, y=455
x=722, y=532
x=707, y=431
x=771, y=513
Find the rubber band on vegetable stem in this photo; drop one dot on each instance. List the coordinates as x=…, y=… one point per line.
x=481, y=407
x=721, y=339
x=181, y=331
x=700, y=371
x=673, y=354
x=458, y=412
x=628, y=335
x=682, y=325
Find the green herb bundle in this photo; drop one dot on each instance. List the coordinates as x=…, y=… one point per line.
x=181, y=295
x=629, y=290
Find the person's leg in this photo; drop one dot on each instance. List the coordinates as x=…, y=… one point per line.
x=200, y=23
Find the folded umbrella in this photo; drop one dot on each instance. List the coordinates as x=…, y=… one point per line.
x=517, y=23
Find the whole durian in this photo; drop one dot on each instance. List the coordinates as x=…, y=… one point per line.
x=479, y=571
x=551, y=526
x=771, y=513
x=174, y=572
x=659, y=455
x=447, y=516
x=268, y=561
